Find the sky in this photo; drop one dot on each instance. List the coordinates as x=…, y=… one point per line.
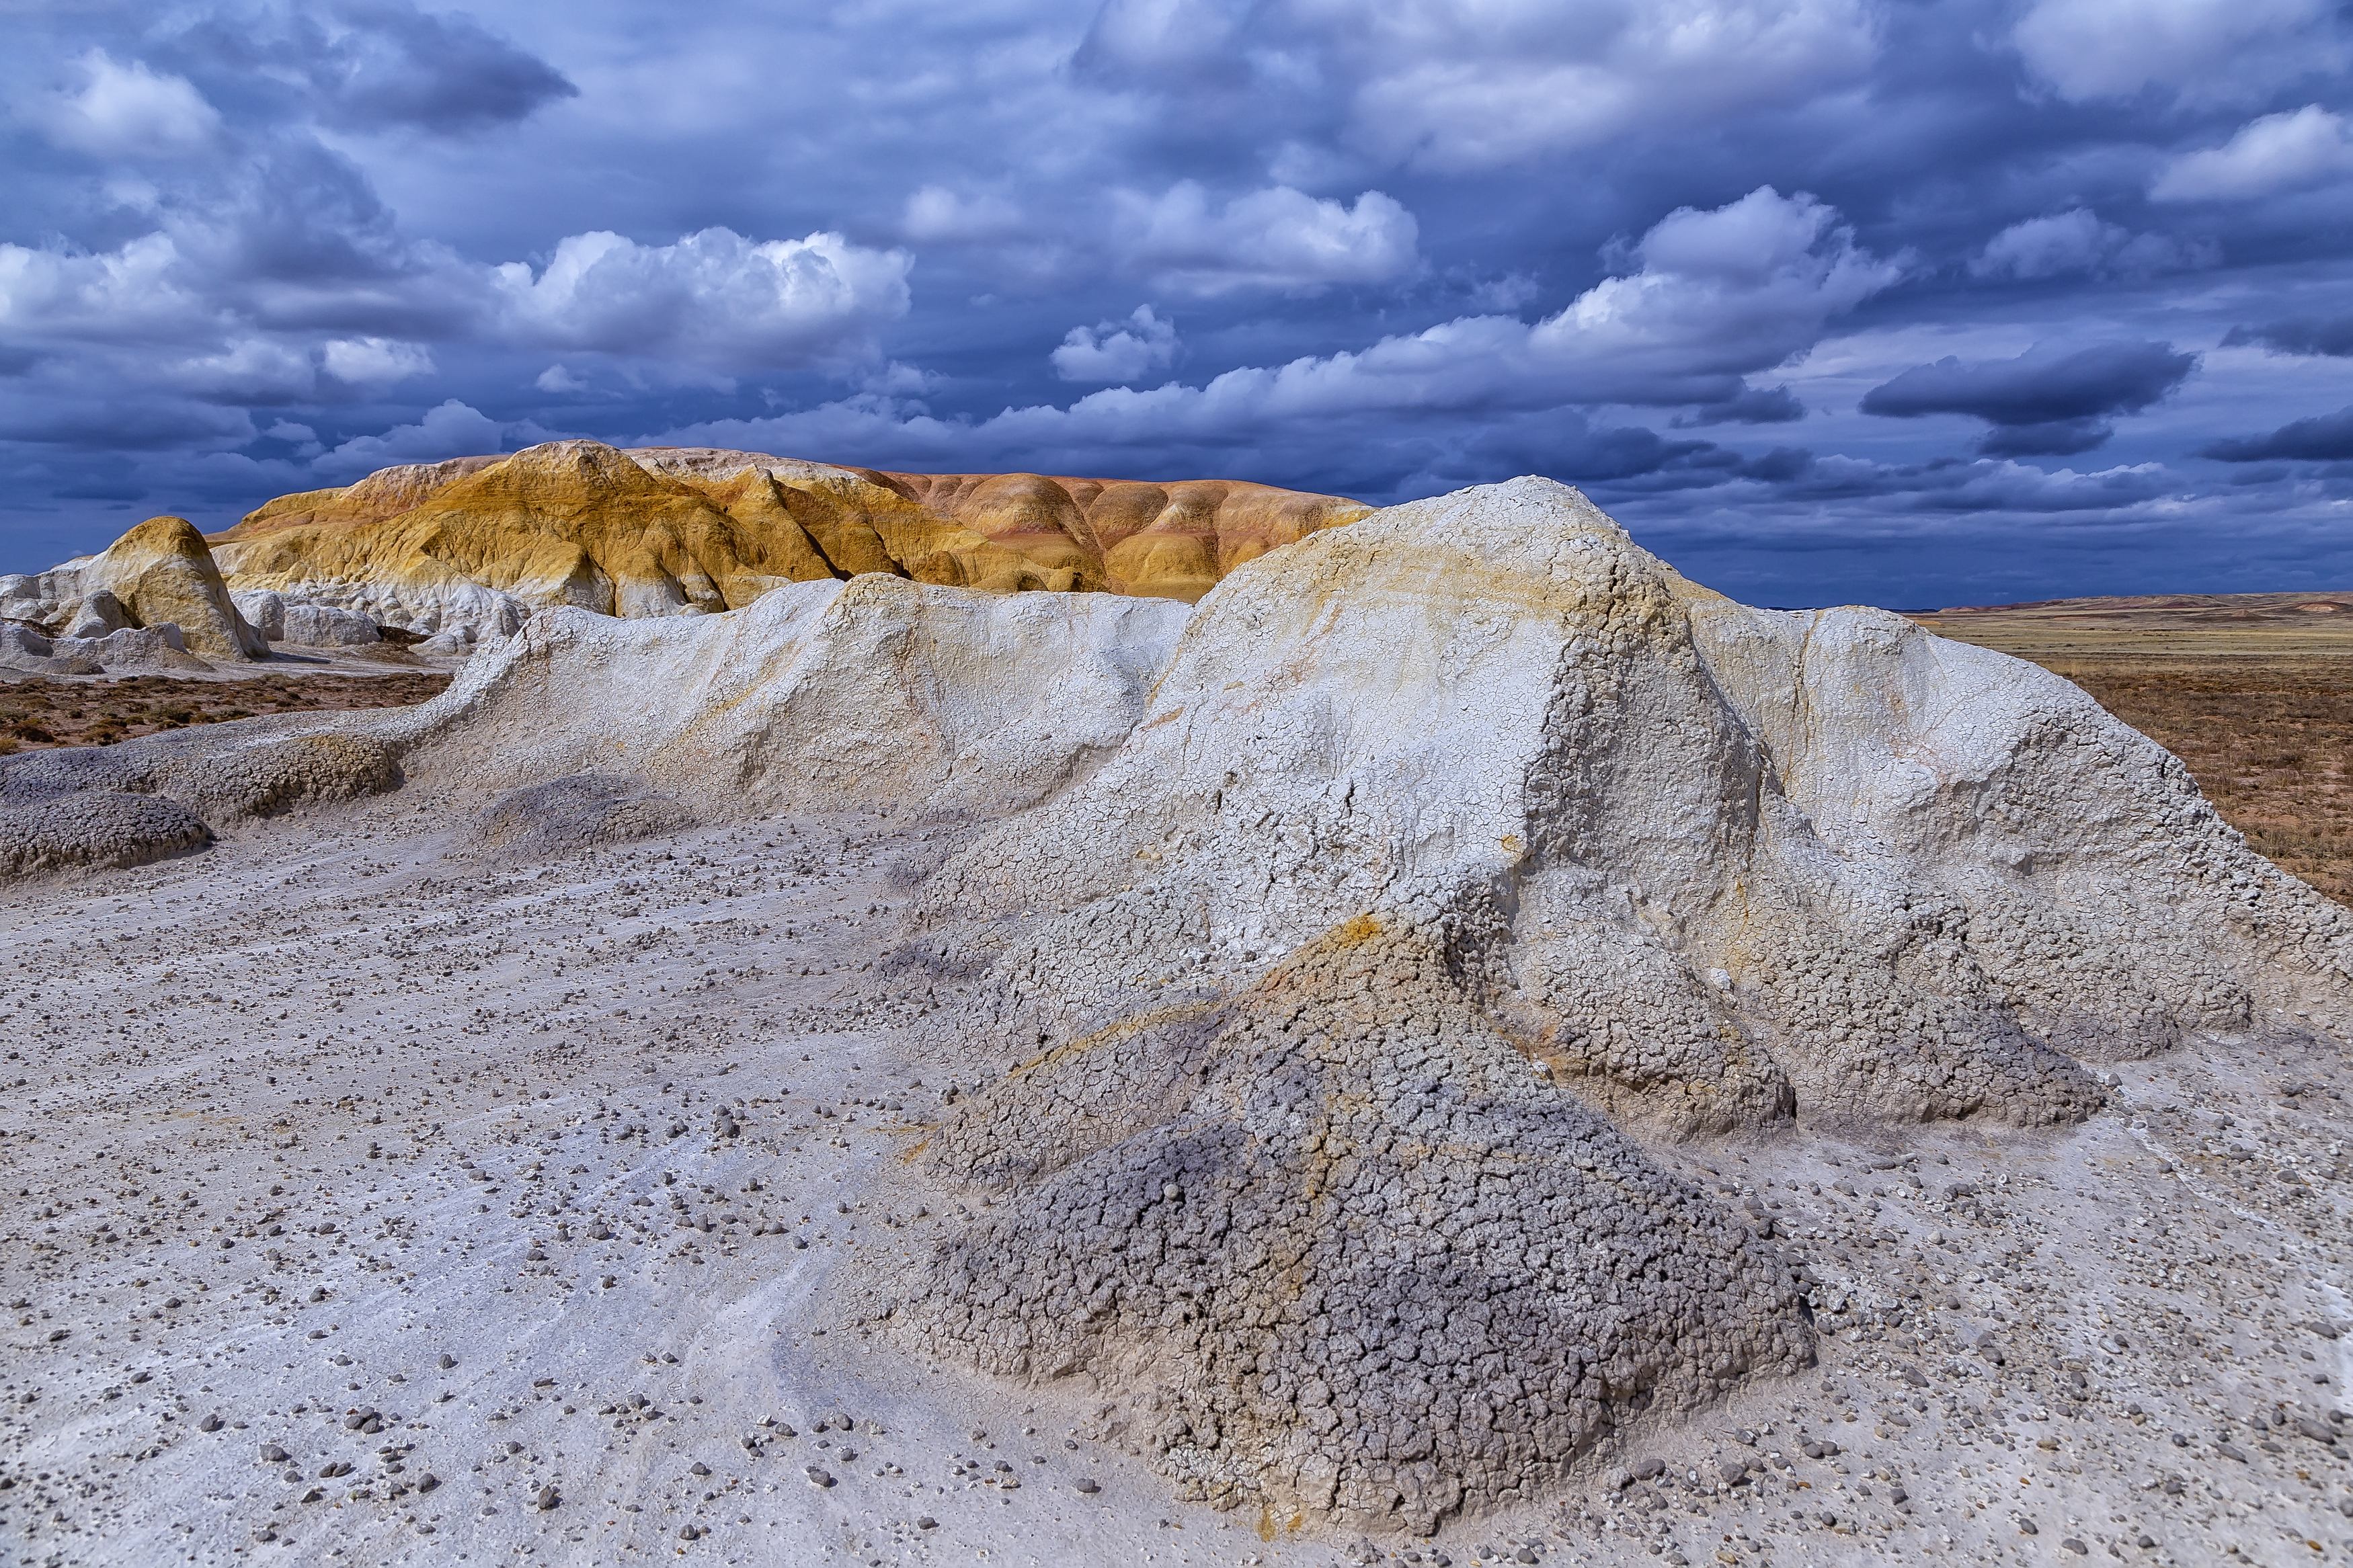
x=1913, y=303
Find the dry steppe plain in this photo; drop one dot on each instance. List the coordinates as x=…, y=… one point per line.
x=2254, y=691
x=382, y=1190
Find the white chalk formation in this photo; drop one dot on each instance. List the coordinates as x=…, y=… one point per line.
x=877, y=689
x=1344, y=933
x=70, y=620
x=454, y=619
x=61, y=622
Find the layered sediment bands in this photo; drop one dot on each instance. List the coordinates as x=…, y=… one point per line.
x=1172, y=541
x=685, y=531
x=1372, y=1264
x=386, y=493
x=572, y=522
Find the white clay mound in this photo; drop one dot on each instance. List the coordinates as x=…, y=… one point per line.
x=1702, y=856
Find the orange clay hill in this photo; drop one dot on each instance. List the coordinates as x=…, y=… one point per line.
x=669, y=531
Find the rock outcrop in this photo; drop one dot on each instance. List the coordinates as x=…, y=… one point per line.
x=462, y=553
x=471, y=546
x=163, y=575
x=1342, y=944
x=130, y=649
x=1620, y=847
x=155, y=599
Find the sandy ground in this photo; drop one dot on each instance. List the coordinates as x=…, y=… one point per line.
x=44, y=712
x=372, y=1203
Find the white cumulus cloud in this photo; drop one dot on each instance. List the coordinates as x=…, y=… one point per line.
x=2277, y=152
x=2202, y=51
x=1475, y=84
x=373, y=361
x=935, y=214
x=1118, y=351
x=252, y=370
x=1451, y=86
x=136, y=291
x=714, y=298
x=2078, y=243
x=454, y=429
x=1718, y=295
x=1276, y=239
x=129, y=111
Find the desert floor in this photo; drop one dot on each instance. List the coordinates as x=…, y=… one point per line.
x=341, y=1143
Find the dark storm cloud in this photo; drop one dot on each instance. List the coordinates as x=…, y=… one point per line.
x=397, y=65
x=1380, y=246
x=2333, y=337
x=369, y=66
x=1751, y=406
x=2050, y=401
x=2326, y=439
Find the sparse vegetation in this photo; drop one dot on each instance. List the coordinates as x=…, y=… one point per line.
x=2268, y=740
x=36, y=712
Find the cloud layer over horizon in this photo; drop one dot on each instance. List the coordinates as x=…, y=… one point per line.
x=1826, y=299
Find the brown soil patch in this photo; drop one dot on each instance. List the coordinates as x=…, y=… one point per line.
x=2254, y=691
x=38, y=712
x=2268, y=740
